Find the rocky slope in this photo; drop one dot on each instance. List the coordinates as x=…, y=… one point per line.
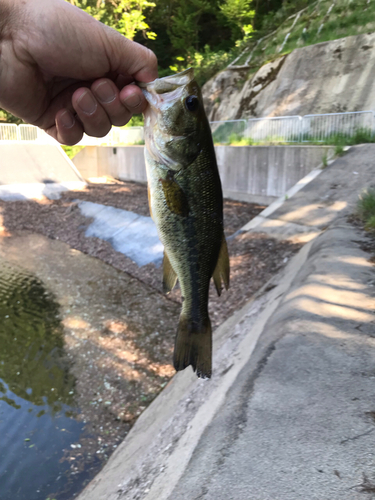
x=325, y=78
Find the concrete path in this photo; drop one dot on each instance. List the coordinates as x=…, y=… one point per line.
x=33, y=170
x=290, y=411
x=131, y=234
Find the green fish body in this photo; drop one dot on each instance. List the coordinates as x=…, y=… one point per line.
x=186, y=204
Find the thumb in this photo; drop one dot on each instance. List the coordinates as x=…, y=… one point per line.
x=130, y=58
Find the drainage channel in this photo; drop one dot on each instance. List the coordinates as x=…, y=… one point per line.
x=84, y=349
x=38, y=413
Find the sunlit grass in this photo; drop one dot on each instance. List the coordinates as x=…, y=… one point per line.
x=338, y=139
x=366, y=208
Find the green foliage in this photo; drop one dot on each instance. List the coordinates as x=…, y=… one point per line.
x=360, y=136
x=71, y=151
x=339, y=150
x=8, y=117
x=135, y=121
x=224, y=135
x=240, y=13
x=126, y=16
x=366, y=208
x=325, y=161
x=206, y=64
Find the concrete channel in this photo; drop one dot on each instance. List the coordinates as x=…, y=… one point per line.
x=288, y=414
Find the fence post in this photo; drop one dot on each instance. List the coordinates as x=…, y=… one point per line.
x=300, y=129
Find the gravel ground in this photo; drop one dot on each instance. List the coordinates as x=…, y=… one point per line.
x=254, y=259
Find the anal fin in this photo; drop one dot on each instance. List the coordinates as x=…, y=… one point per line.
x=222, y=268
x=169, y=275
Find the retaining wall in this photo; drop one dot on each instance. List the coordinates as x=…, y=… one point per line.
x=248, y=173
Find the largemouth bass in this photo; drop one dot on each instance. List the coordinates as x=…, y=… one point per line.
x=186, y=204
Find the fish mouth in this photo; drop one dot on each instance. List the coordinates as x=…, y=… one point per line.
x=166, y=89
x=168, y=83
x=160, y=94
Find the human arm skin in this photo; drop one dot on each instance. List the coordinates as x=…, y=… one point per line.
x=67, y=73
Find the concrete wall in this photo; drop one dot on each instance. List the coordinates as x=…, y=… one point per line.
x=22, y=163
x=249, y=173
x=126, y=162
x=265, y=171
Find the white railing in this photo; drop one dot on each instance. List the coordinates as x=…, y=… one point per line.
x=278, y=129
x=308, y=128
x=9, y=132
x=321, y=127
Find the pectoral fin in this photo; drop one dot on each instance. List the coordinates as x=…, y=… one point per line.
x=222, y=268
x=149, y=200
x=175, y=197
x=169, y=276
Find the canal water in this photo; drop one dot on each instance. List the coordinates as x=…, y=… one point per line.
x=39, y=424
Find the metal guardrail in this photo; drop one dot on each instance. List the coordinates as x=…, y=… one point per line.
x=321, y=127
x=278, y=129
x=308, y=128
x=9, y=132
x=25, y=133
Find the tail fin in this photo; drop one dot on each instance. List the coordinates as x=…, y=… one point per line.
x=193, y=346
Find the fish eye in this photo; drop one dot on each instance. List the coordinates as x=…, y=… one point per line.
x=192, y=103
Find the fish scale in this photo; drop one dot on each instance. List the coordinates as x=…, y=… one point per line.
x=186, y=204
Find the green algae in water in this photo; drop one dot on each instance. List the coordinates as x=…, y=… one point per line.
x=37, y=410
x=32, y=360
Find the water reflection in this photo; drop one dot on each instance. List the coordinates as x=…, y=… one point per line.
x=32, y=361
x=37, y=424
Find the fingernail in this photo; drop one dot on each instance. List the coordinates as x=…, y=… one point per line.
x=67, y=119
x=87, y=103
x=105, y=92
x=132, y=101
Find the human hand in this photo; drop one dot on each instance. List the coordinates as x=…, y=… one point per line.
x=67, y=73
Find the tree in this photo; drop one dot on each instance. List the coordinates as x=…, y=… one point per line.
x=126, y=16
x=240, y=13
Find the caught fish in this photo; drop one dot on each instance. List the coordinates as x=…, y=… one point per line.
x=186, y=204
